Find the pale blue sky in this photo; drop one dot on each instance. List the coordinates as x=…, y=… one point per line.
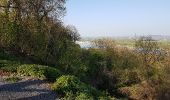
x=119, y=17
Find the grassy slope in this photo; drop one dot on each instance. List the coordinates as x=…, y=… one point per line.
x=25, y=67
x=10, y=62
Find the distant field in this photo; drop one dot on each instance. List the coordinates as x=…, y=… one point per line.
x=125, y=42
x=165, y=44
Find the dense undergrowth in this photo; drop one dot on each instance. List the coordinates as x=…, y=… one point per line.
x=99, y=74
x=35, y=43
x=66, y=86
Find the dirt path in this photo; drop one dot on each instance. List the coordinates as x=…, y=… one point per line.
x=26, y=90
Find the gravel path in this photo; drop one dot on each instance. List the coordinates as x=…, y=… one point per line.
x=26, y=90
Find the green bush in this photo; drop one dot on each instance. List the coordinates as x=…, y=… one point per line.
x=78, y=96
x=31, y=70
x=38, y=71
x=51, y=73
x=12, y=79
x=142, y=91
x=9, y=66
x=83, y=96
x=71, y=84
x=68, y=96
x=95, y=64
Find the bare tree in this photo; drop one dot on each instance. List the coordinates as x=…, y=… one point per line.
x=73, y=32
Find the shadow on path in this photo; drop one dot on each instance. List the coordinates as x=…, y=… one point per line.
x=26, y=90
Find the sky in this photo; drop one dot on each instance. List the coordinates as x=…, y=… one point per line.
x=95, y=18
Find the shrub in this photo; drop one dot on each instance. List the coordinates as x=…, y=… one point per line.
x=83, y=96
x=38, y=71
x=31, y=70
x=12, y=79
x=78, y=96
x=68, y=96
x=143, y=91
x=127, y=78
x=9, y=66
x=106, y=98
x=71, y=84
x=52, y=73
x=95, y=66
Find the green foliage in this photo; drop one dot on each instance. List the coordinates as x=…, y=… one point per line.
x=9, y=66
x=139, y=91
x=9, y=36
x=38, y=71
x=106, y=98
x=67, y=83
x=45, y=40
x=127, y=78
x=51, y=73
x=110, y=68
x=78, y=96
x=83, y=96
x=94, y=61
x=31, y=70
x=70, y=58
x=40, y=36
x=12, y=79
x=71, y=84
x=68, y=96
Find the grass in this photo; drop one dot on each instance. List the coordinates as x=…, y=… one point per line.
x=23, y=67
x=164, y=44
x=9, y=63
x=125, y=42
x=38, y=71
x=12, y=79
